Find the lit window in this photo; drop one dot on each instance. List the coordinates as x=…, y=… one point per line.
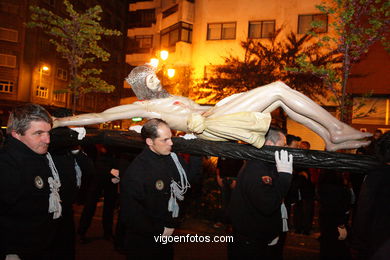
x=6, y=86
x=261, y=29
x=221, y=31
x=305, y=23
x=42, y=92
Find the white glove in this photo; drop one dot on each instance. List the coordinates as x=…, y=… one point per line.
x=168, y=231
x=189, y=136
x=274, y=242
x=342, y=233
x=285, y=162
x=81, y=132
x=12, y=257
x=136, y=128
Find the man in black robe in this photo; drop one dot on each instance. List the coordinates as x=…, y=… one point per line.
x=30, y=208
x=255, y=207
x=149, y=189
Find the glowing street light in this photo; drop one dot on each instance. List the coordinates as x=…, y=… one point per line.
x=171, y=73
x=154, y=62
x=42, y=68
x=164, y=55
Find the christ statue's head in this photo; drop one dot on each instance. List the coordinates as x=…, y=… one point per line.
x=145, y=84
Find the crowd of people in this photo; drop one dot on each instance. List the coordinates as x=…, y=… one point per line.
x=40, y=180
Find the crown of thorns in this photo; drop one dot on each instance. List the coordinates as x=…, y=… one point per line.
x=138, y=74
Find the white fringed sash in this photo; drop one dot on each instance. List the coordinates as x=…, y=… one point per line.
x=177, y=189
x=55, y=184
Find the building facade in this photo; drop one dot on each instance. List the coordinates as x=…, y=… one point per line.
x=32, y=71
x=199, y=33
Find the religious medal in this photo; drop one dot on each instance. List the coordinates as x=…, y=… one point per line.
x=267, y=180
x=38, y=182
x=159, y=185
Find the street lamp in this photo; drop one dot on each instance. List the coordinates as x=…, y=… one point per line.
x=41, y=69
x=171, y=73
x=154, y=62
x=164, y=55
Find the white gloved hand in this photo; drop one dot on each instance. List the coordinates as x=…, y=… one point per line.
x=81, y=132
x=168, y=231
x=284, y=163
x=136, y=128
x=189, y=136
x=12, y=257
x=342, y=233
x=274, y=242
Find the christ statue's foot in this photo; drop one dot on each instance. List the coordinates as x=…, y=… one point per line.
x=347, y=133
x=346, y=145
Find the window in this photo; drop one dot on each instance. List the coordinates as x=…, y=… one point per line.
x=221, y=31
x=59, y=97
x=142, y=18
x=62, y=74
x=261, y=29
x=171, y=10
x=178, y=32
x=8, y=35
x=6, y=86
x=8, y=60
x=305, y=21
x=140, y=44
x=144, y=41
x=42, y=92
x=378, y=117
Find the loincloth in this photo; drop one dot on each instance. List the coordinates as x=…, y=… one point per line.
x=249, y=127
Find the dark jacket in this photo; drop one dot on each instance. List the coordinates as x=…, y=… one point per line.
x=371, y=227
x=255, y=206
x=145, y=192
x=26, y=227
x=334, y=198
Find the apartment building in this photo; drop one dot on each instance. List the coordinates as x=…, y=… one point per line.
x=31, y=70
x=199, y=33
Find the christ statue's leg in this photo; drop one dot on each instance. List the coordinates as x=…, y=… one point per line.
x=266, y=99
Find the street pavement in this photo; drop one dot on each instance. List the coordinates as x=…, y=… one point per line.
x=298, y=247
